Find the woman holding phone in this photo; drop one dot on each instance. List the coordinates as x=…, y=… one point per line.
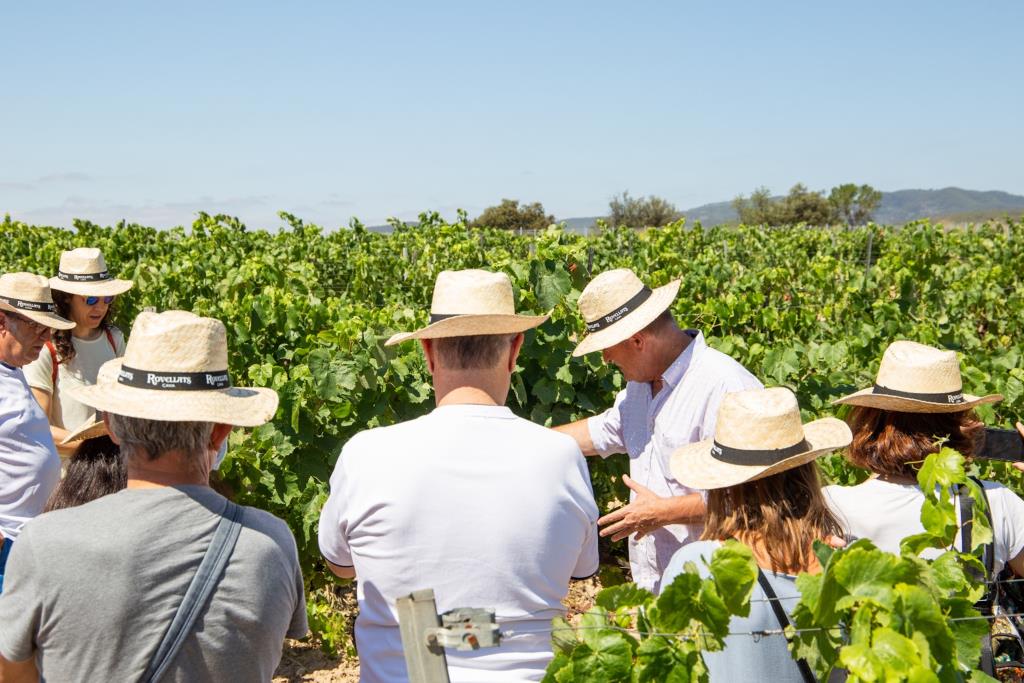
x=84, y=292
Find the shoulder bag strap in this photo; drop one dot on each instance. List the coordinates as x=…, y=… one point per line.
x=199, y=591
x=988, y=559
x=53, y=367
x=110, y=339
x=783, y=618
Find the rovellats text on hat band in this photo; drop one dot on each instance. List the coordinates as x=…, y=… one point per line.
x=29, y=305
x=621, y=311
x=83, y=277
x=951, y=398
x=174, y=381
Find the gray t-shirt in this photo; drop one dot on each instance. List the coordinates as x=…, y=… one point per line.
x=94, y=588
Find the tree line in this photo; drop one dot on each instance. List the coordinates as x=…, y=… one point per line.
x=848, y=204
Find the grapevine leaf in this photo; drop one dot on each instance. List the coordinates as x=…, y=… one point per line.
x=860, y=661
x=734, y=572
x=623, y=596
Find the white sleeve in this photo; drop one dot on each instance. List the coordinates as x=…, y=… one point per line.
x=1009, y=530
x=587, y=563
x=39, y=373
x=606, y=429
x=333, y=527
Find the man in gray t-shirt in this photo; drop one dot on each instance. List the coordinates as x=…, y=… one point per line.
x=93, y=590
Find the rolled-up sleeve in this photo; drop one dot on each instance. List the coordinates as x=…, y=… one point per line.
x=333, y=527
x=606, y=429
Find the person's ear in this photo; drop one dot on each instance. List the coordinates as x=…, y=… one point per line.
x=218, y=435
x=113, y=437
x=638, y=341
x=514, y=349
x=428, y=354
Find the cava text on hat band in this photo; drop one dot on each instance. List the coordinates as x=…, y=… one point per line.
x=83, y=277
x=174, y=381
x=618, y=313
x=742, y=456
x=942, y=397
x=30, y=305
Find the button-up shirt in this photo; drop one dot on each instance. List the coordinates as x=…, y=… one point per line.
x=649, y=428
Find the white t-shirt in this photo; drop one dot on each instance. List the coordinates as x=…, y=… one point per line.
x=29, y=465
x=887, y=512
x=80, y=370
x=649, y=428
x=486, y=508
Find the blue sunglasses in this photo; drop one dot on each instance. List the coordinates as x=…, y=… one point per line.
x=93, y=300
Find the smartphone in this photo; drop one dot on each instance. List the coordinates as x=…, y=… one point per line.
x=1002, y=444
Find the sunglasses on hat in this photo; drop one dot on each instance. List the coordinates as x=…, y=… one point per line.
x=93, y=300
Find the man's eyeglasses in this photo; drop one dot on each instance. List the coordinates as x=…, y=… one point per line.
x=38, y=328
x=93, y=300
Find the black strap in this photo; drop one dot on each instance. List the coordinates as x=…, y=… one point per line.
x=199, y=592
x=783, y=618
x=615, y=316
x=749, y=456
x=953, y=398
x=987, y=602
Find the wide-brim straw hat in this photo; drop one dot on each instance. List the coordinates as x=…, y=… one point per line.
x=758, y=434
x=468, y=303
x=175, y=368
x=615, y=305
x=89, y=429
x=29, y=295
x=916, y=378
x=83, y=271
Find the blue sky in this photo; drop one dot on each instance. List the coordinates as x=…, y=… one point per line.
x=328, y=110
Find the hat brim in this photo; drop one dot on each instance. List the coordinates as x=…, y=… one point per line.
x=634, y=321
x=693, y=465
x=242, y=407
x=471, y=325
x=89, y=429
x=867, y=398
x=51, y=320
x=98, y=288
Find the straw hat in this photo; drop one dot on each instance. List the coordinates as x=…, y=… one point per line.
x=83, y=271
x=616, y=305
x=89, y=429
x=175, y=368
x=914, y=378
x=471, y=302
x=758, y=434
x=29, y=295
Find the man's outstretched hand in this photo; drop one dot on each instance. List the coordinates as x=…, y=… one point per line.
x=647, y=512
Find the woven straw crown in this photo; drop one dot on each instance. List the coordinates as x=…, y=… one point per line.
x=917, y=378
x=617, y=305
x=471, y=302
x=29, y=295
x=758, y=433
x=84, y=271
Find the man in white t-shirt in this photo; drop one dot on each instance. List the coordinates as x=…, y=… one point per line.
x=487, y=509
x=29, y=466
x=675, y=383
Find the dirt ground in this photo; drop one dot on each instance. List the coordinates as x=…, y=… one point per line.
x=303, y=662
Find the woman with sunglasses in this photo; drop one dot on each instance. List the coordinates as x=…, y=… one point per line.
x=84, y=292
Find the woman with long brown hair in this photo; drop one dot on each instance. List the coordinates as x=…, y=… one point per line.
x=764, y=491
x=916, y=405
x=84, y=292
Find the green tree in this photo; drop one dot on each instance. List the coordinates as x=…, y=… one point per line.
x=760, y=209
x=510, y=215
x=799, y=206
x=640, y=212
x=854, y=205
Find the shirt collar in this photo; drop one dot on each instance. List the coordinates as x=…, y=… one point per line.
x=674, y=373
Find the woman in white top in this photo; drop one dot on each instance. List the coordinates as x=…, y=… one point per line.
x=917, y=399
x=84, y=292
x=763, y=490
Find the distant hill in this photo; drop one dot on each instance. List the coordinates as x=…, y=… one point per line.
x=902, y=206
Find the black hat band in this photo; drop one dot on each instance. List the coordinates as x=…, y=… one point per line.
x=617, y=315
x=83, y=277
x=942, y=397
x=743, y=456
x=24, y=305
x=174, y=381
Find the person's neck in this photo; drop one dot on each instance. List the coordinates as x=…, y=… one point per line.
x=170, y=469
x=87, y=333
x=666, y=351
x=466, y=395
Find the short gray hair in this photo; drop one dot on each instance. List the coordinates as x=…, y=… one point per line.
x=475, y=352
x=156, y=437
